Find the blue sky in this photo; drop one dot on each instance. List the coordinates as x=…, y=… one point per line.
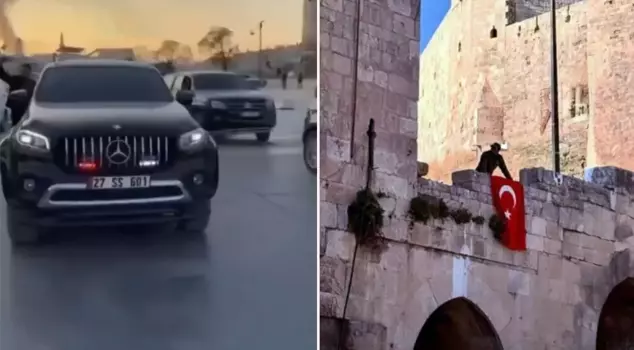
x=432, y=13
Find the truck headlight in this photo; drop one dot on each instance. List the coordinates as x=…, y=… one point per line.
x=193, y=140
x=33, y=139
x=217, y=104
x=199, y=102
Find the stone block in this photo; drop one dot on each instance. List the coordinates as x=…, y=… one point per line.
x=333, y=275
x=621, y=267
x=470, y=179
x=538, y=226
x=532, y=176
x=534, y=242
x=328, y=214
x=330, y=305
x=611, y=177
x=340, y=244
x=599, y=221
x=552, y=246
x=571, y=219
x=396, y=229
x=366, y=335
x=391, y=185
x=624, y=228
x=598, y=195
x=550, y=266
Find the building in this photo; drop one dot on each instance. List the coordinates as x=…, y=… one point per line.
x=485, y=77
x=444, y=285
x=309, y=38
x=65, y=49
x=309, y=27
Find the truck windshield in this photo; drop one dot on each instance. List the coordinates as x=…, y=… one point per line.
x=220, y=81
x=101, y=84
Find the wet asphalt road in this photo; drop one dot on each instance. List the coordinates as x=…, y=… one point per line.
x=248, y=283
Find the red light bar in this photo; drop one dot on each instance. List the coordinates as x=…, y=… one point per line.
x=87, y=166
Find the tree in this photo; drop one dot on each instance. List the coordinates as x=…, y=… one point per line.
x=218, y=45
x=167, y=50
x=184, y=53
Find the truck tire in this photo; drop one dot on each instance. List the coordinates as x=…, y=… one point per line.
x=198, y=217
x=310, y=142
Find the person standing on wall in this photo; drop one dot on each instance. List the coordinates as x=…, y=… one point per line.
x=491, y=160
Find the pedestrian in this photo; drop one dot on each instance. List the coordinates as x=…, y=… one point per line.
x=22, y=81
x=300, y=80
x=284, y=78
x=491, y=160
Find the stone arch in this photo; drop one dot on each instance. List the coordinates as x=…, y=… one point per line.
x=458, y=324
x=615, y=330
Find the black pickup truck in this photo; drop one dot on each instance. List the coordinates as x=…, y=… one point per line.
x=226, y=103
x=104, y=142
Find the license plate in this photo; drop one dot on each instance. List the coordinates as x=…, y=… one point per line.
x=250, y=114
x=119, y=182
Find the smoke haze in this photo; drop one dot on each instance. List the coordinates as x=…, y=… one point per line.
x=8, y=34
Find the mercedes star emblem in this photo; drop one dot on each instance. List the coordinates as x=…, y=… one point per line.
x=116, y=127
x=118, y=152
x=247, y=105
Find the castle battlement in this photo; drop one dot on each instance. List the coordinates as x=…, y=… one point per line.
x=579, y=240
x=444, y=285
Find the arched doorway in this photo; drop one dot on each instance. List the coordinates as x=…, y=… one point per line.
x=615, y=330
x=458, y=324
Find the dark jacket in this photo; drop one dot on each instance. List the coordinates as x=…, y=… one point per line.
x=17, y=82
x=489, y=161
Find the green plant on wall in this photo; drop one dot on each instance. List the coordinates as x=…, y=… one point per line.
x=424, y=207
x=365, y=217
x=497, y=224
x=461, y=216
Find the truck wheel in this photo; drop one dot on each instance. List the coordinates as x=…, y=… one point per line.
x=310, y=151
x=263, y=136
x=21, y=231
x=198, y=219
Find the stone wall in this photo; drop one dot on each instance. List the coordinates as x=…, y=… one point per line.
x=387, y=91
x=610, y=33
x=549, y=297
x=476, y=89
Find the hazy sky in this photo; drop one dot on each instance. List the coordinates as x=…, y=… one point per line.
x=120, y=23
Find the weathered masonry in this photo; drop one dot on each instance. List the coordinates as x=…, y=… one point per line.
x=443, y=285
x=573, y=287
x=485, y=76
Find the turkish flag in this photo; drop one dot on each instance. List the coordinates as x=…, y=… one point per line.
x=508, y=200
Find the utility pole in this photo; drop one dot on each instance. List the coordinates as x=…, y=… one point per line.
x=260, y=51
x=554, y=80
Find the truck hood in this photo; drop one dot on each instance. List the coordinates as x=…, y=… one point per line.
x=59, y=119
x=211, y=94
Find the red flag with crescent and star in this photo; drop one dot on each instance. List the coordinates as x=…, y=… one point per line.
x=508, y=200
